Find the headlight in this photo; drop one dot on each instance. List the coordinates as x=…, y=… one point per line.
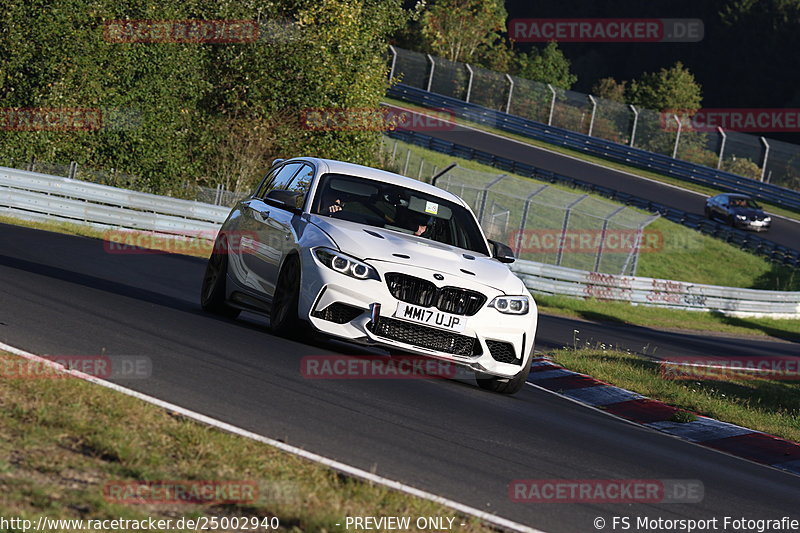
x=511, y=305
x=767, y=219
x=344, y=264
x=741, y=217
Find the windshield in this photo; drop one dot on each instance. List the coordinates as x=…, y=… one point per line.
x=740, y=201
x=397, y=208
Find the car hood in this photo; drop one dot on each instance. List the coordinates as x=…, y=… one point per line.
x=372, y=243
x=748, y=212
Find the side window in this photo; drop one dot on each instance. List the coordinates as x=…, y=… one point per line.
x=265, y=183
x=284, y=177
x=301, y=183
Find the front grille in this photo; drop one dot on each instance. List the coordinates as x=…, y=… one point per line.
x=423, y=336
x=424, y=293
x=338, y=313
x=502, y=352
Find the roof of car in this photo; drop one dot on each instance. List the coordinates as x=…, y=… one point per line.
x=352, y=169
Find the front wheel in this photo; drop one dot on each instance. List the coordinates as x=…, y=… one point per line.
x=284, y=320
x=212, y=293
x=503, y=385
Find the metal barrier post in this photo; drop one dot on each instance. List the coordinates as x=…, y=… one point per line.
x=433, y=67
x=510, y=91
x=635, y=122
x=522, y=221
x=552, y=105
x=567, y=211
x=766, y=156
x=482, y=207
x=603, y=238
x=594, y=111
x=677, y=136
x=394, y=61
x=721, y=146
x=469, y=83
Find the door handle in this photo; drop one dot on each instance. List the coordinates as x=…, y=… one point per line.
x=263, y=215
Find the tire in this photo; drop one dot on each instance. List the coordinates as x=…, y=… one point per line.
x=503, y=385
x=708, y=213
x=283, y=319
x=212, y=293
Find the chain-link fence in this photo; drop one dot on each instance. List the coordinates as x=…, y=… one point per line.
x=113, y=178
x=540, y=222
x=748, y=155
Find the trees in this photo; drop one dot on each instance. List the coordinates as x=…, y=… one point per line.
x=459, y=30
x=196, y=105
x=668, y=89
x=548, y=65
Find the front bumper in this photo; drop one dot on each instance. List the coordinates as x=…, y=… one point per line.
x=752, y=225
x=340, y=306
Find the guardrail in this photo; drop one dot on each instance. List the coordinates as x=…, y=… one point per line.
x=549, y=279
x=745, y=240
x=662, y=164
x=42, y=197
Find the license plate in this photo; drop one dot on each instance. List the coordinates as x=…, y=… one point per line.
x=430, y=317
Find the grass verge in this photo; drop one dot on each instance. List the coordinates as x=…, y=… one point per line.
x=662, y=318
x=763, y=405
x=702, y=189
x=63, y=440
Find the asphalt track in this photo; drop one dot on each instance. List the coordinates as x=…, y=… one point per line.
x=783, y=231
x=64, y=295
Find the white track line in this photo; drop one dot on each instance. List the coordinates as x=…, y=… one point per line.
x=489, y=518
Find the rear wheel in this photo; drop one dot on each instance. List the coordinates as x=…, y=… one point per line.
x=503, y=385
x=284, y=320
x=212, y=293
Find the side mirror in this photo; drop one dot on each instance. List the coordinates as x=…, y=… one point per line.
x=276, y=162
x=502, y=252
x=283, y=199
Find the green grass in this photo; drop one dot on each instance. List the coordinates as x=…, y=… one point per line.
x=702, y=189
x=662, y=318
x=63, y=440
x=764, y=405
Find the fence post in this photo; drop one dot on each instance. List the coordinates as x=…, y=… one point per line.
x=394, y=153
x=73, y=169
x=405, y=167
x=510, y=91
x=486, y=194
x=594, y=111
x=469, y=83
x=524, y=218
x=419, y=172
x=394, y=61
x=552, y=105
x=567, y=211
x=603, y=238
x=635, y=122
x=721, y=146
x=677, y=136
x=766, y=156
x=430, y=76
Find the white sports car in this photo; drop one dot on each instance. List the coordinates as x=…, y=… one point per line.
x=375, y=258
